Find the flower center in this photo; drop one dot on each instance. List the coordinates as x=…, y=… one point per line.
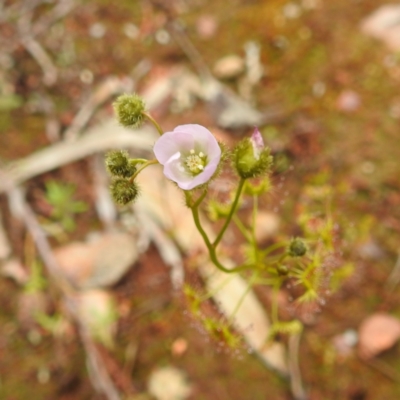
x=194, y=163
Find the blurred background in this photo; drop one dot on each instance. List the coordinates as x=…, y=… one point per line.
x=92, y=305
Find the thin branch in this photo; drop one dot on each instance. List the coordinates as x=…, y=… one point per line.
x=36, y=50
x=98, y=372
x=296, y=383
x=106, y=136
x=110, y=87
x=176, y=30
x=165, y=245
x=104, y=91
x=19, y=9
x=394, y=277
x=59, y=11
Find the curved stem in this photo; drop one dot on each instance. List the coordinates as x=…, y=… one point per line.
x=280, y=259
x=211, y=248
x=231, y=212
x=138, y=160
x=200, y=199
x=274, y=247
x=145, y=165
x=154, y=122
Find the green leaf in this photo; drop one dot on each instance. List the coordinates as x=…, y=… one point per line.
x=10, y=102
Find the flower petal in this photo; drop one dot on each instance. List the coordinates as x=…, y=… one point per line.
x=202, y=137
x=170, y=143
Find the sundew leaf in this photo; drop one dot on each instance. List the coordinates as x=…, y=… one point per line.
x=164, y=203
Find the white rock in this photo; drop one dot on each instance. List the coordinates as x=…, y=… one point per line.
x=377, y=333
x=348, y=101
x=169, y=383
x=98, y=264
x=206, y=26
x=384, y=24
x=344, y=343
x=229, y=67
x=97, y=312
x=97, y=30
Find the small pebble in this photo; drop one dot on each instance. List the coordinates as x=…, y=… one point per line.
x=86, y=76
x=97, y=30
x=348, y=101
x=162, y=36
x=229, y=67
x=206, y=26
x=131, y=31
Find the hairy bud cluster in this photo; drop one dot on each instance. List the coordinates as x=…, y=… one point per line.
x=119, y=164
x=297, y=248
x=129, y=109
x=122, y=168
x=124, y=191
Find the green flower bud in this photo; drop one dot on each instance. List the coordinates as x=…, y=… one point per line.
x=129, y=109
x=251, y=158
x=118, y=164
x=297, y=248
x=282, y=270
x=123, y=191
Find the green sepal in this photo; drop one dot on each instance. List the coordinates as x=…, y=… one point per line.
x=246, y=164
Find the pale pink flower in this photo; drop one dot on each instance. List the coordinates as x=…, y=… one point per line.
x=257, y=143
x=190, y=155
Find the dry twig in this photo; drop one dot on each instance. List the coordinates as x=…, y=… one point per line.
x=394, y=277
x=296, y=383
x=99, y=374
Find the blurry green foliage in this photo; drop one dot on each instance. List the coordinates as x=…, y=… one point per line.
x=37, y=282
x=60, y=197
x=9, y=102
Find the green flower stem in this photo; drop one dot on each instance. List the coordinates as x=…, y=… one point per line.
x=154, y=122
x=280, y=259
x=274, y=247
x=245, y=232
x=138, y=161
x=274, y=311
x=254, y=218
x=211, y=248
x=231, y=212
x=200, y=199
x=145, y=165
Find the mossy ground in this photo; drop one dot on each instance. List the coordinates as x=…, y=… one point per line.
x=310, y=60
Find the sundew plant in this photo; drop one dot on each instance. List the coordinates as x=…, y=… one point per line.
x=191, y=157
